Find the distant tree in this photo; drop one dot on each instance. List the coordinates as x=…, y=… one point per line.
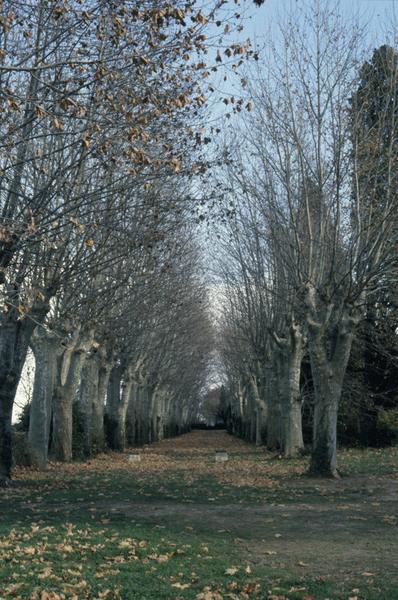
x=374, y=110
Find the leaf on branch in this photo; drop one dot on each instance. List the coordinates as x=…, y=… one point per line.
x=175, y=164
x=86, y=141
x=200, y=18
x=67, y=103
x=56, y=124
x=13, y=105
x=31, y=226
x=5, y=235
x=40, y=111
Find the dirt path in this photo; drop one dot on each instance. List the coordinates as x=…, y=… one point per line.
x=343, y=528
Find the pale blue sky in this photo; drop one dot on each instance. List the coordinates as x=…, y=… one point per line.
x=379, y=14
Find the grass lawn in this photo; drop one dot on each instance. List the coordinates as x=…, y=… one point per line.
x=178, y=525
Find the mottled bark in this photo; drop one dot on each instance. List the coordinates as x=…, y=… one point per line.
x=155, y=412
x=260, y=411
x=293, y=443
x=112, y=404
x=127, y=385
x=97, y=433
x=45, y=346
x=329, y=356
x=88, y=395
x=274, y=425
x=70, y=365
x=15, y=335
x=131, y=416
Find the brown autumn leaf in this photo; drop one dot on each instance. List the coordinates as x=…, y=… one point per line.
x=45, y=574
x=390, y=519
x=56, y=123
x=86, y=141
x=208, y=594
x=40, y=111
x=302, y=564
x=251, y=588
x=175, y=164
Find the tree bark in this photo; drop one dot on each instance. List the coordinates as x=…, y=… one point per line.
x=15, y=335
x=45, y=346
x=70, y=366
x=328, y=370
x=112, y=404
x=127, y=385
x=98, y=434
x=293, y=443
x=274, y=427
x=260, y=412
x=88, y=396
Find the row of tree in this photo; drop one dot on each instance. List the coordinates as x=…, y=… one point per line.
x=101, y=107
x=308, y=253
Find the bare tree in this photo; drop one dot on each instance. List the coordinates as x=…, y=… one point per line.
x=299, y=169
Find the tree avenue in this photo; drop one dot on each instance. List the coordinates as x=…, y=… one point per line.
x=106, y=174
x=308, y=259
x=102, y=105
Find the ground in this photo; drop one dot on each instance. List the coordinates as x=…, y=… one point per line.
x=178, y=525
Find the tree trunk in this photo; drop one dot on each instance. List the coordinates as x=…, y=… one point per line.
x=112, y=404
x=154, y=414
x=15, y=335
x=98, y=436
x=68, y=377
x=44, y=345
x=260, y=411
x=274, y=428
x=120, y=438
x=328, y=375
x=88, y=396
x=293, y=443
x=131, y=416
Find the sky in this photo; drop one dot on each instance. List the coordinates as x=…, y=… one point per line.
x=379, y=14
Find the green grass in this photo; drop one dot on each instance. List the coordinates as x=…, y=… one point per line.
x=70, y=537
x=69, y=560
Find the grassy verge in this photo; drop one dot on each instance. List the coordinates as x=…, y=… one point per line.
x=74, y=534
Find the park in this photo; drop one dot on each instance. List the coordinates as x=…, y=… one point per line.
x=198, y=300
x=177, y=524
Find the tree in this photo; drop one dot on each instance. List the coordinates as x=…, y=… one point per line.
x=298, y=171
x=374, y=111
x=91, y=105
